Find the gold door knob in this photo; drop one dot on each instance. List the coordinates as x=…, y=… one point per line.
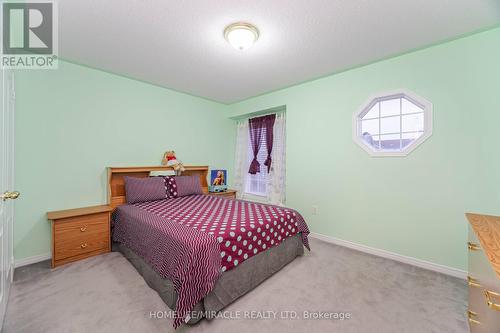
x=472, y=317
x=490, y=295
x=473, y=246
x=10, y=195
x=82, y=229
x=84, y=245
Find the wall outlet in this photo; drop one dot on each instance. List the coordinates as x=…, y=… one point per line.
x=315, y=209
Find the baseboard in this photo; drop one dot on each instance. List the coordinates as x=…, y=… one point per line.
x=394, y=256
x=32, y=260
x=333, y=240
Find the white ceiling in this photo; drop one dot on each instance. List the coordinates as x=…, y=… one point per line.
x=179, y=44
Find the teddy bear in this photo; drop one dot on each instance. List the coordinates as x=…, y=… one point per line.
x=170, y=160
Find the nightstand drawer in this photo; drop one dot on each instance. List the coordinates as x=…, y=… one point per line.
x=80, y=226
x=227, y=194
x=79, y=233
x=83, y=244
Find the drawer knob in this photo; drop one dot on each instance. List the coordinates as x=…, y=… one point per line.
x=84, y=245
x=82, y=229
x=473, y=246
x=490, y=295
x=472, y=317
x=473, y=282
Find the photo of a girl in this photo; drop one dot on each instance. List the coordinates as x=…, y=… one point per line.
x=220, y=177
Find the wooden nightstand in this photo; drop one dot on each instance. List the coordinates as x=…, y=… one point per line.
x=227, y=194
x=79, y=233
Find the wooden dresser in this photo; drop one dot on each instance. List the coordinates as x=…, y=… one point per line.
x=484, y=273
x=227, y=194
x=79, y=233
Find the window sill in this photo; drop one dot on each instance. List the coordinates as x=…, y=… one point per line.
x=254, y=197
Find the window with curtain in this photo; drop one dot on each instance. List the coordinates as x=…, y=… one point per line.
x=256, y=184
x=260, y=158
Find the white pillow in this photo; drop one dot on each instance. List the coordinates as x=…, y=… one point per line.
x=162, y=173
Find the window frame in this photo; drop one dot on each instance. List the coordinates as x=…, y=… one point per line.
x=421, y=102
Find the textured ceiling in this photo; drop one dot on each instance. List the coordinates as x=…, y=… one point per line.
x=179, y=44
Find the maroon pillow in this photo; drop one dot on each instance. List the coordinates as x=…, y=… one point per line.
x=144, y=189
x=187, y=185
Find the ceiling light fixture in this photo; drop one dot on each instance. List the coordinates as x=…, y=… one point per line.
x=241, y=35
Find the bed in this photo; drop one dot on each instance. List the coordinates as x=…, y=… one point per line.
x=202, y=252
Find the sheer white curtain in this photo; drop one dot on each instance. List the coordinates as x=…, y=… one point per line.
x=276, y=180
x=241, y=158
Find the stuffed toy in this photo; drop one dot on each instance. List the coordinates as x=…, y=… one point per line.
x=170, y=160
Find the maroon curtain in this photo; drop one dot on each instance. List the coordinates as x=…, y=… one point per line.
x=269, y=125
x=256, y=127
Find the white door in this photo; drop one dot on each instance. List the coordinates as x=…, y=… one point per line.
x=6, y=187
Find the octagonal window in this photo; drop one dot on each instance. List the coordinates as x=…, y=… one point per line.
x=393, y=124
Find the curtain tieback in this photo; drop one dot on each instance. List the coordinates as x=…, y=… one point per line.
x=254, y=167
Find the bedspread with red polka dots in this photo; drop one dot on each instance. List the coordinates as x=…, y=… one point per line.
x=242, y=228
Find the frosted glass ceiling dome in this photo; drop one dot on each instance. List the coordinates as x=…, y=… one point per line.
x=241, y=35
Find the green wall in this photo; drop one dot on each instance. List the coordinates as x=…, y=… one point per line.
x=73, y=122
x=414, y=205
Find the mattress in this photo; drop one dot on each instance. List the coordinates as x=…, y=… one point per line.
x=192, y=240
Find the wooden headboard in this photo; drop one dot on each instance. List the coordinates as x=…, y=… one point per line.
x=116, y=183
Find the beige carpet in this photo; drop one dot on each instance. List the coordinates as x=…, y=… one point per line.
x=106, y=294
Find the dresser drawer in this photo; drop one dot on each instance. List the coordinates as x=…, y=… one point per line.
x=83, y=244
x=476, y=309
x=484, y=282
x=480, y=267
